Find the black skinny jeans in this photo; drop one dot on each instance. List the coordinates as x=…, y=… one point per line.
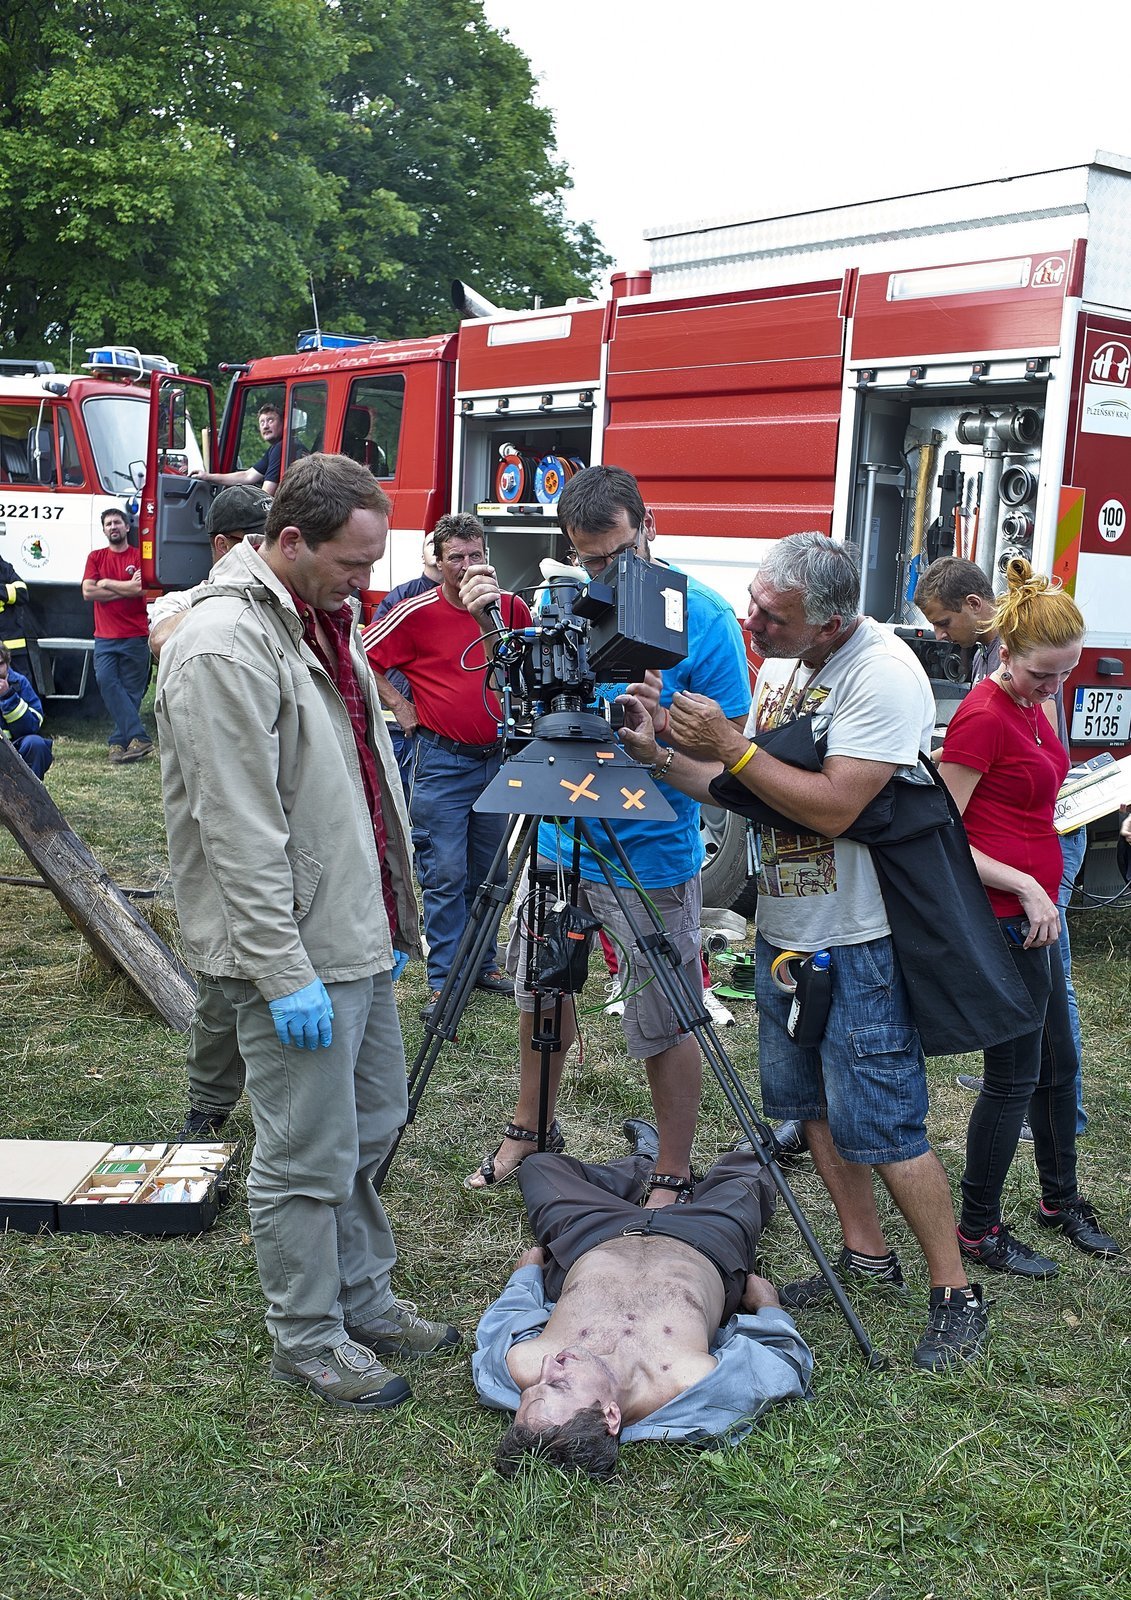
x=1035, y=1073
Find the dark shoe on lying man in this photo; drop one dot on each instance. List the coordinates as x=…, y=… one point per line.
x=790, y=1140
x=398, y=1331
x=643, y=1137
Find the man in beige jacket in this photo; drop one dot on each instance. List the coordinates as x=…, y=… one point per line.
x=292, y=874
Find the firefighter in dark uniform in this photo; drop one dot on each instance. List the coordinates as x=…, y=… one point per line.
x=17, y=625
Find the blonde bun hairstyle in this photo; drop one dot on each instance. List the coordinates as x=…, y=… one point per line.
x=1034, y=613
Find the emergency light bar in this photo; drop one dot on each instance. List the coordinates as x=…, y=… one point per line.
x=123, y=361
x=984, y=276
x=316, y=339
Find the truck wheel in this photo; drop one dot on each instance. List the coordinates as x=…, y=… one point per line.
x=725, y=882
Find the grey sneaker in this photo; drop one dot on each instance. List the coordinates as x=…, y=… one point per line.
x=967, y=1081
x=398, y=1331
x=1001, y=1252
x=345, y=1375
x=815, y=1291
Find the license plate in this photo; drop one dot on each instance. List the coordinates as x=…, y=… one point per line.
x=1101, y=716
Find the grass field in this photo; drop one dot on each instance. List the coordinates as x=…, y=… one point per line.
x=145, y=1454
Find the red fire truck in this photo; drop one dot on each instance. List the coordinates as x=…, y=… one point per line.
x=933, y=374
x=925, y=375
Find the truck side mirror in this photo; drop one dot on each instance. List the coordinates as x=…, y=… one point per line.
x=137, y=474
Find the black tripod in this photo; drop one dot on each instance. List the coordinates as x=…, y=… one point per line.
x=583, y=766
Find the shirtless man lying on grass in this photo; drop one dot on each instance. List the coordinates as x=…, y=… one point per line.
x=626, y=1323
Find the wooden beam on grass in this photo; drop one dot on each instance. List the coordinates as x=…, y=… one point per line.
x=117, y=934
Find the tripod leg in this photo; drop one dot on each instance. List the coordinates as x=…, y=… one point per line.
x=692, y=1018
x=482, y=926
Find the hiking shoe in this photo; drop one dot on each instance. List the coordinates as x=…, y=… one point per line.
x=427, y=1010
x=1077, y=1220
x=964, y=1080
x=495, y=982
x=958, y=1325
x=1001, y=1252
x=398, y=1331
x=117, y=753
x=814, y=1291
x=137, y=750
x=345, y=1375
x=202, y=1124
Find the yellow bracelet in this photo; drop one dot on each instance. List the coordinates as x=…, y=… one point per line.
x=743, y=759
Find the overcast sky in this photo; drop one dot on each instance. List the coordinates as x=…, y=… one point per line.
x=669, y=111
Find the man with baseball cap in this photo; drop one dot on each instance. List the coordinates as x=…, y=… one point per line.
x=236, y=513
x=215, y=1068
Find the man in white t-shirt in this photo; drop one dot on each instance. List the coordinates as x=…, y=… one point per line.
x=862, y=1092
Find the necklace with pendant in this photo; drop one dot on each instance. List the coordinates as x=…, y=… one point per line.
x=1036, y=710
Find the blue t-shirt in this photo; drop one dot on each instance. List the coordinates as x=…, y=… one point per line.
x=667, y=853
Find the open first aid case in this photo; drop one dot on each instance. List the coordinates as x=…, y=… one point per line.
x=85, y=1186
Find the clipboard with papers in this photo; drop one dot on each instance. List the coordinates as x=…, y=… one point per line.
x=1092, y=791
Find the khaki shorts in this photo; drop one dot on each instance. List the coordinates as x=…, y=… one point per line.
x=649, y=1023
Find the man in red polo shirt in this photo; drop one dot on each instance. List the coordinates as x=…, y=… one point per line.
x=455, y=721
x=112, y=580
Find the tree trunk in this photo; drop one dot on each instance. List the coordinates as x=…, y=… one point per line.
x=115, y=932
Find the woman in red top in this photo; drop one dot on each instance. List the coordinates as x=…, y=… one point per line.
x=1004, y=764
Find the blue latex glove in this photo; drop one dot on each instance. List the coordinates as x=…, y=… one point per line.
x=303, y=1019
x=400, y=962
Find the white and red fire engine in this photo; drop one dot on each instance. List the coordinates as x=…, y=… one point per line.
x=931, y=374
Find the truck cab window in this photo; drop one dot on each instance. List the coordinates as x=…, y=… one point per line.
x=253, y=401
x=16, y=423
x=371, y=430
x=118, y=429
x=69, y=450
x=306, y=420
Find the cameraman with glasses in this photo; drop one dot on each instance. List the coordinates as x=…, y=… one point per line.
x=602, y=514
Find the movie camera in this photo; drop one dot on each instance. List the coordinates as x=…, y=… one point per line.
x=585, y=631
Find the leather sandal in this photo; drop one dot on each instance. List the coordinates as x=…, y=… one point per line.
x=683, y=1188
x=555, y=1144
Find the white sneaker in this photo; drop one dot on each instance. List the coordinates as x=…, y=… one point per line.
x=614, y=1005
x=718, y=1013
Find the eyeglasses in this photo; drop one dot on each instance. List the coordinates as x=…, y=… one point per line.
x=595, y=565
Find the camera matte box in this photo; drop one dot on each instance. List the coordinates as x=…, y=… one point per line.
x=643, y=625
x=46, y=1184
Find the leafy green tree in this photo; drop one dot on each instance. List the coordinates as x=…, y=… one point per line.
x=441, y=115
x=158, y=184
x=173, y=171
